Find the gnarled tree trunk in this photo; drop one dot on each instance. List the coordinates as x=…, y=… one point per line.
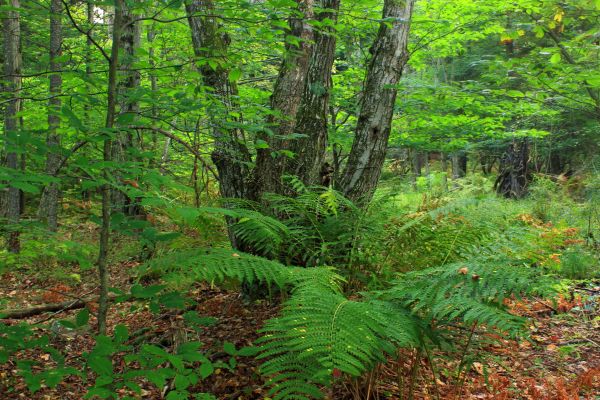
x=513, y=178
x=374, y=120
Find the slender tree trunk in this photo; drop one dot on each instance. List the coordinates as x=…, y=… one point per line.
x=287, y=94
x=374, y=120
x=458, y=165
x=444, y=167
x=49, y=202
x=12, y=77
x=153, y=87
x=415, y=161
x=310, y=149
x=427, y=167
x=165, y=156
x=111, y=106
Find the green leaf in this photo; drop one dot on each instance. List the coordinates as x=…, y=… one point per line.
x=206, y=370
x=100, y=365
x=121, y=333
x=235, y=74
x=82, y=317
x=555, y=59
x=229, y=348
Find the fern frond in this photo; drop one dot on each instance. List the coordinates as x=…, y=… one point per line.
x=319, y=332
x=217, y=265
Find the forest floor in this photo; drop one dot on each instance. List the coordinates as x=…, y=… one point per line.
x=561, y=361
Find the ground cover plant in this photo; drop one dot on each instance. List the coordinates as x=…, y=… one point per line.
x=340, y=199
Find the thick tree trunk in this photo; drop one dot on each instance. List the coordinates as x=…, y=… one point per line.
x=129, y=81
x=230, y=154
x=310, y=149
x=12, y=85
x=49, y=202
x=513, y=179
x=374, y=120
x=287, y=94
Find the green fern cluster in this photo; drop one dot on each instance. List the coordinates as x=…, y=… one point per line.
x=322, y=334
x=316, y=227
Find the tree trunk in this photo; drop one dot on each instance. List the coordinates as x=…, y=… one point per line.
x=459, y=165
x=111, y=105
x=230, y=154
x=129, y=81
x=415, y=161
x=374, y=120
x=287, y=94
x=310, y=149
x=12, y=85
x=513, y=178
x=49, y=202
x=444, y=167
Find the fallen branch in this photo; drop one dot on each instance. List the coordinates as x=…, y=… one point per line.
x=19, y=313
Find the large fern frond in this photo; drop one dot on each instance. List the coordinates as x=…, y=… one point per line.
x=217, y=265
x=319, y=332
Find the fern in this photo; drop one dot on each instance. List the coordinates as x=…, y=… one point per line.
x=217, y=265
x=319, y=332
x=469, y=292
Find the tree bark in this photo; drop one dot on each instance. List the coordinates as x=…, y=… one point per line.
x=12, y=86
x=374, y=120
x=128, y=82
x=415, y=161
x=111, y=105
x=513, y=179
x=312, y=115
x=230, y=154
x=459, y=165
x=287, y=94
x=49, y=202
x=444, y=167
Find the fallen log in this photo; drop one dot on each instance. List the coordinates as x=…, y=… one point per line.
x=19, y=313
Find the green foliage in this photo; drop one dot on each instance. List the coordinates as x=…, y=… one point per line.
x=217, y=265
x=321, y=332
x=15, y=339
x=578, y=262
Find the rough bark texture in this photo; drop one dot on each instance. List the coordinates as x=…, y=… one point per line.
x=312, y=115
x=49, y=202
x=129, y=81
x=230, y=154
x=513, y=179
x=12, y=78
x=374, y=120
x=285, y=100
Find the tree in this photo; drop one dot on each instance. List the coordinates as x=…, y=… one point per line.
x=311, y=118
x=12, y=86
x=374, y=120
x=49, y=202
